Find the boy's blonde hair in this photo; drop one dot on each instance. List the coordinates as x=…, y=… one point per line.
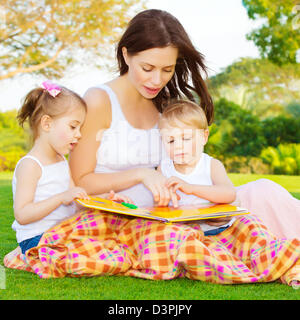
x=184, y=111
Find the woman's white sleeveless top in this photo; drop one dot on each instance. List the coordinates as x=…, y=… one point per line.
x=55, y=179
x=124, y=147
x=201, y=175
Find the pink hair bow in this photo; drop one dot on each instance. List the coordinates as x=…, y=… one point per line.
x=52, y=88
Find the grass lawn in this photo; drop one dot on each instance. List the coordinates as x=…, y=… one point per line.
x=24, y=285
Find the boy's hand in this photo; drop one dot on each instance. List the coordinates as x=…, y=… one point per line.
x=118, y=197
x=156, y=183
x=178, y=184
x=73, y=193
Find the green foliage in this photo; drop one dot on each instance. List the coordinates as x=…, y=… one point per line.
x=14, y=141
x=237, y=137
x=293, y=109
x=42, y=36
x=246, y=165
x=285, y=159
x=277, y=38
x=280, y=130
x=247, y=145
x=8, y=160
x=258, y=85
x=236, y=132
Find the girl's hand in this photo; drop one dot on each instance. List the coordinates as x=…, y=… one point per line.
x=156, y=183
x=178, y=184
x=73, y=193
x=118, y=197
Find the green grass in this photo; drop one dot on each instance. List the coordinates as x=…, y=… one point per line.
x=24, y=285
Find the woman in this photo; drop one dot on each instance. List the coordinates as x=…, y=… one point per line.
x=120, y=149
x=156, y=59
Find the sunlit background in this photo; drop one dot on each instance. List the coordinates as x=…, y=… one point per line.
x=217, y=28
x=250, y=50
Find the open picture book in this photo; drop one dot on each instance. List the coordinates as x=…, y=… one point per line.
x=165, y=214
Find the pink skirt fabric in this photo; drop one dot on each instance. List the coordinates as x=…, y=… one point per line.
x=274, y=205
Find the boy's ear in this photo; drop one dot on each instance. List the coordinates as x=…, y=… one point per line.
x=206, y=134
x=46, y=122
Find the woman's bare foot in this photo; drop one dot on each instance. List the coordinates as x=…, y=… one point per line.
x=11, y=255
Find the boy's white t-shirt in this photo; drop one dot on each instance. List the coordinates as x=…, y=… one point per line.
x=55, y=179
x=201, y=175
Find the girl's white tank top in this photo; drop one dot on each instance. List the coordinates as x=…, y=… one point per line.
x=124, y=147
x=55, y=179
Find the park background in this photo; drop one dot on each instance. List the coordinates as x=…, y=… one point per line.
x=252, y=52
x=253, y=72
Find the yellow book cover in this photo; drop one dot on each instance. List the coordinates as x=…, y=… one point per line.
x=165, y=214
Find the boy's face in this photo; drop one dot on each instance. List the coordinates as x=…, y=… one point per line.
x=184, y=144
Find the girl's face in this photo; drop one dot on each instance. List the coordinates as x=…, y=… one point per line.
x=184, y=144
x=150, y=70
x=64, y=131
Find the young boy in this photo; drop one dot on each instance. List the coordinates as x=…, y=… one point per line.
x=198, y=178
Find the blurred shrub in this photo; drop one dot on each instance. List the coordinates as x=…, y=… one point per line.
x=285, y=159
x=281, y=129
x=235, y=132
x=246, y=165
x=9, y=159
x=14, y=140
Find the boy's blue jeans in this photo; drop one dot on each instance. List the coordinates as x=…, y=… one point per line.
x=215, y=231
x=30, y=243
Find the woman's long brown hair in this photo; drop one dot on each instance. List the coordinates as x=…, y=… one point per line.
x=158, y=29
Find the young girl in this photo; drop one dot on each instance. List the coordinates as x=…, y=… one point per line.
x=194, y=175
x=43, y=189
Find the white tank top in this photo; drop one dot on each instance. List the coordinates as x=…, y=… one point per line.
x=201, y=175
x=124, y=147
x=55, y=179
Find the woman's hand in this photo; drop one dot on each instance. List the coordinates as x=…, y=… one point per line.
x=156, y=183
x=118, y=197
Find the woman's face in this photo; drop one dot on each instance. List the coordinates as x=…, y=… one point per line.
x=150, y=70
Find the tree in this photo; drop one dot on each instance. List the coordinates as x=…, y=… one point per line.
x=278, y=39
x=281, y=130
x=258, y=85
x=293, y=109
x=43, y=36
x=235, y=132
